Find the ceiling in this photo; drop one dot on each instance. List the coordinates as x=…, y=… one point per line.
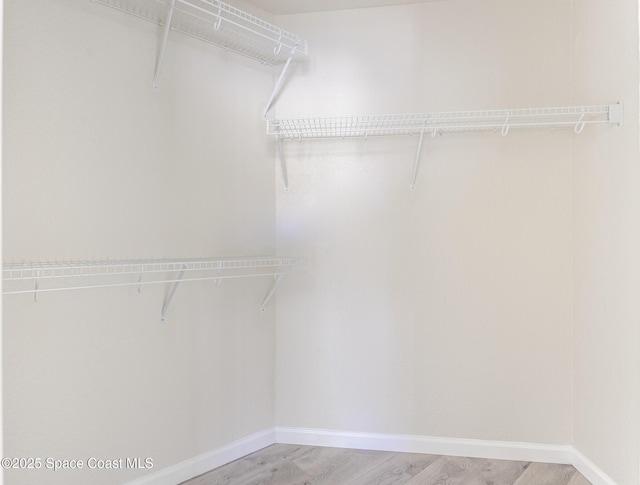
x=305, y=6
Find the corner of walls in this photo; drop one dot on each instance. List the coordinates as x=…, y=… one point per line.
x=1, y=239
x=496, y=450
x=207, y=461
x=571, y=234
x=606, y=235
x=590, y=470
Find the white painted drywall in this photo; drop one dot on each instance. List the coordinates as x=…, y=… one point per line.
x=444, y=311
x=99, y=165
x=1, y=238
x=606, y=237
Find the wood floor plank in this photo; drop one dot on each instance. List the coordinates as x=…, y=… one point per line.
x=310, y=465
x=332, y=466
x=277, y=452
x=312, y=457
x=269, y=465
x=281, y=473
x=497, y=472
x=397, y=469
x=546, y=474
x=224, y=475
x=412, y=463
x=579, y=479
x=448, y=471
x=385, y=473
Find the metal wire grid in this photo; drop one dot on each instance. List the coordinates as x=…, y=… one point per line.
x=436, y=123
x=83, y=274
x=220, y=24
x=153, y=10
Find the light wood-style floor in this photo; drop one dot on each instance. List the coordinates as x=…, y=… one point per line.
x=310, y=465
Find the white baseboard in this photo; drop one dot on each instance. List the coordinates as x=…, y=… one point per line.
x=207, y=461
x=499, y=450
x=590, y=471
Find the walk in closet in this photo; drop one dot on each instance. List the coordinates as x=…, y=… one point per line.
x=404, y=226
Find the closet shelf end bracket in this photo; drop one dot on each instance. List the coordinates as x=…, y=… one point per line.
x=616, y=113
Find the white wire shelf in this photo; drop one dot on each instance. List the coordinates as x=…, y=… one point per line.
x=220, y=24
x=445, y=122
x=21, y=277
x=36, y=278
x=501, y=121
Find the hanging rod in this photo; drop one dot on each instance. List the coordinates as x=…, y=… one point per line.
x=576, y=117
x=21, y=278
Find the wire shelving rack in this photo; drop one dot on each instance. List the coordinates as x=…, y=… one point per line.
x=499, y=121
x=39, y=277
x=444, y=122
x=220, y=24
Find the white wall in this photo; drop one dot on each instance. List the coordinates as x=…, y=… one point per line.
x=443, y=311
x=99, y=165
x=606, y=236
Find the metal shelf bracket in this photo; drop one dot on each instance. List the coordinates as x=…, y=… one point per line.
x=277, y=281
x=140, y=280
x=283, y=165
x=417, y=160
x=278, y=85
x=218, y=272
x=35, y=291
x=163, y=44
x=165, y=307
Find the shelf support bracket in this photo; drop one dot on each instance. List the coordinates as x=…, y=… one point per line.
x=283, y=164
x=278, y=85
x=163, y=44
x=218, y=272
x=165, y=307
x=417, y=161
x=277, y=282
x=140, y=280
x=35, y=291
